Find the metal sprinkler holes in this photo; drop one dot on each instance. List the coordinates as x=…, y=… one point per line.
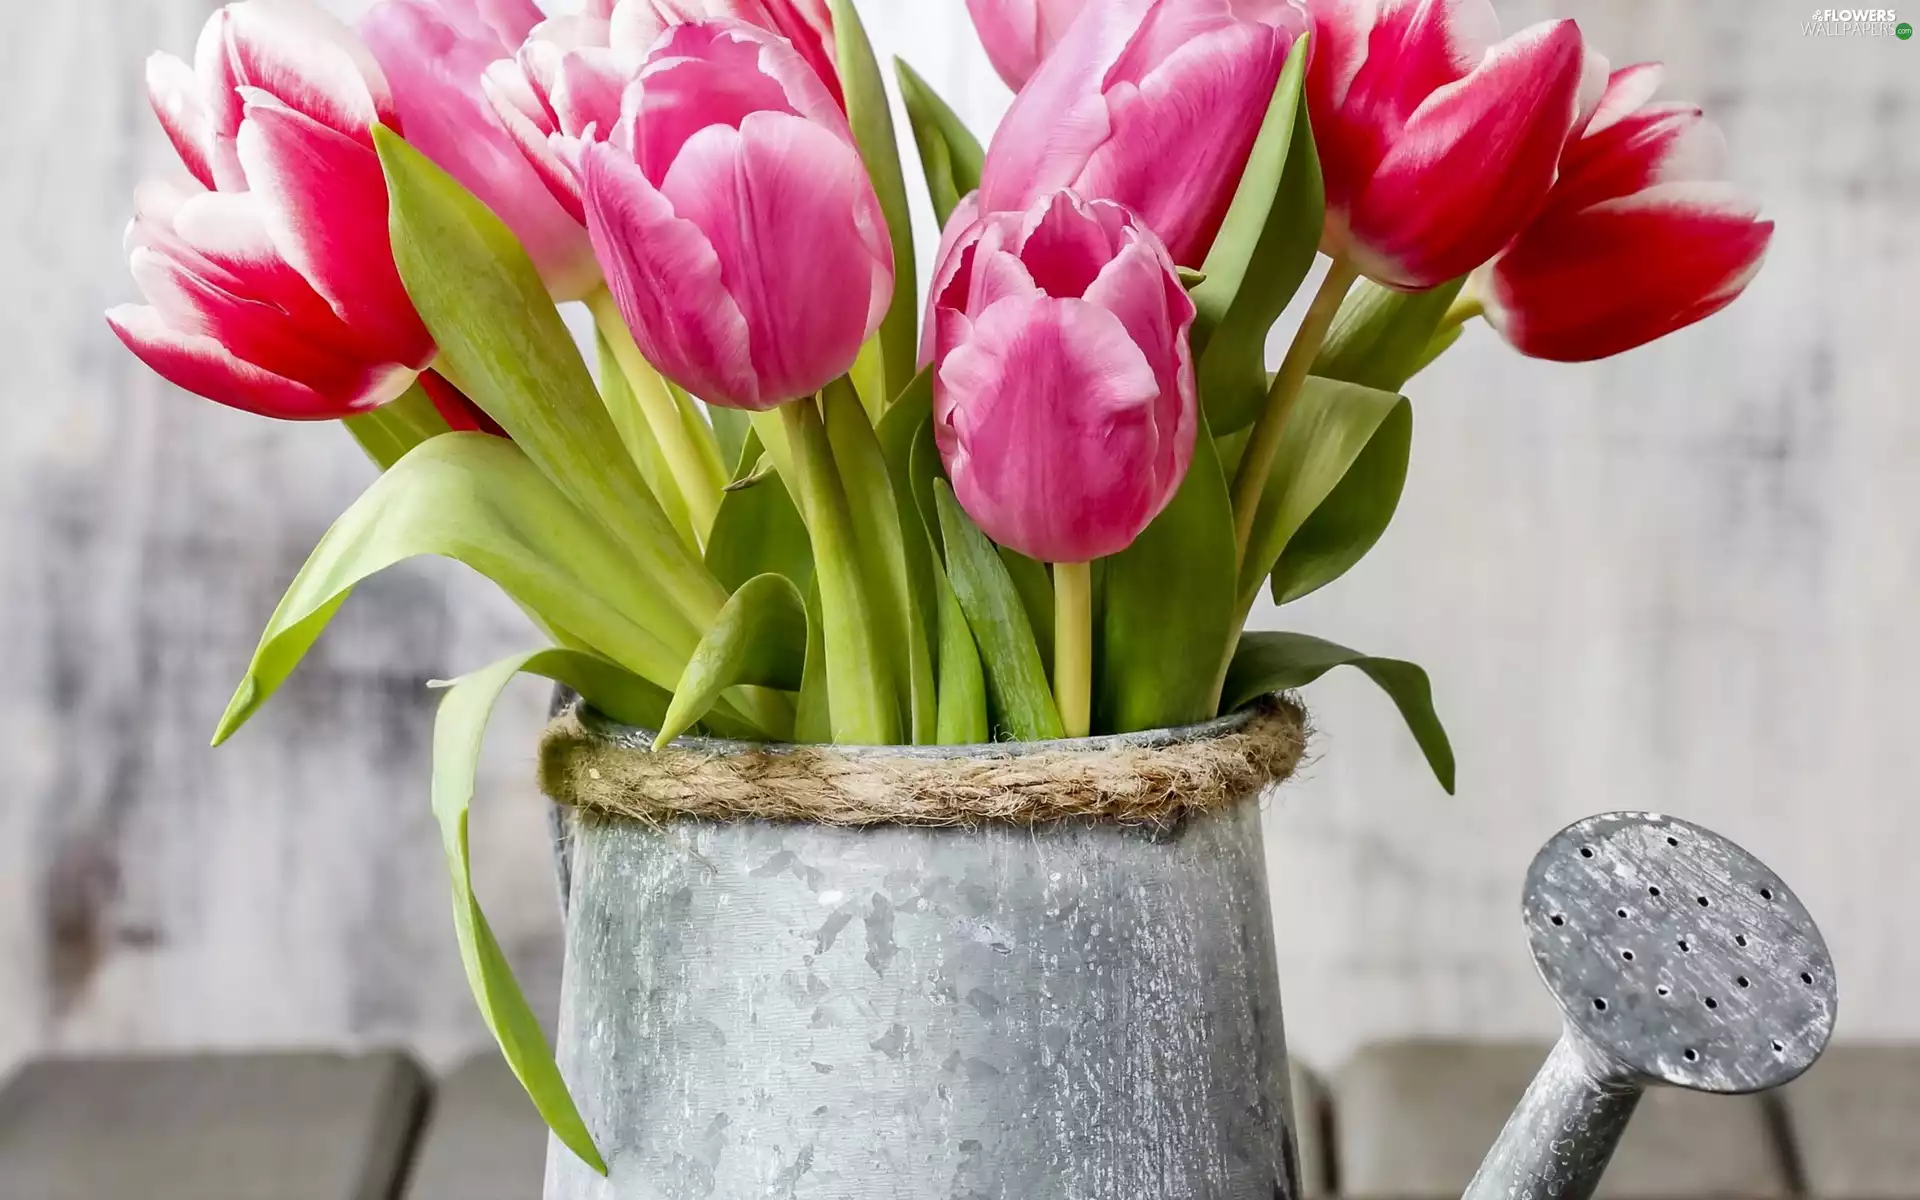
x=1677, y=958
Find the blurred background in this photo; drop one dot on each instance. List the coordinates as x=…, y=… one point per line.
x=1682, y=580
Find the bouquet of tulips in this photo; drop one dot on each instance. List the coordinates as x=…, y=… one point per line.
x=791, y=501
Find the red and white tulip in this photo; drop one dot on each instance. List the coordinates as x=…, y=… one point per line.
x=270, y=282
x=1639, y=237
x=1153, y=104
x=1064, y=401
x=1437, y=140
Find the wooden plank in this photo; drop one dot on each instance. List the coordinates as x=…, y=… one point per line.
x=484, y=1140
x=1414, y=1120
x=1854, y=1117
x=244, y=1127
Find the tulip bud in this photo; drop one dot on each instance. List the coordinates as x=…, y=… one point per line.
x=1436, y=142
x=1064, y=401
x=434, y=53
x=1638, y=238
x=1153, y=104
x=731, y=214
x=275, y=291
x=1019, y=34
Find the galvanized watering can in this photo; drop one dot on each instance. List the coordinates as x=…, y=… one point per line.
x=1091, y=1011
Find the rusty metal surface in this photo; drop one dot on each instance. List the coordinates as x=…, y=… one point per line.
x=1077, y=1012
x=1677, y=958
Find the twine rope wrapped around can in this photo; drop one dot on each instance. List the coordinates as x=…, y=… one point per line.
x=590, y=764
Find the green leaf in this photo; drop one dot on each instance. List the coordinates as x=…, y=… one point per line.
x=474, y=498
x=872, y=124
x=730, y=429
x=949, y=153
x=962, y=716
x=1034, y=583
x=758, y=640
x=880, y=543
x=1381, y=338
x=1169, y=617
x=1332, y=423
x=813, y=716
x=1263, y=252
x=906, y=422
x=860, y=691
x=758, y=529
x=1275, y=662
x=1440, y=344
x=458, y=730
x=1353, y=516
x=1015, y=675
x=503, y=343
x=636, y=434
x=388, y=432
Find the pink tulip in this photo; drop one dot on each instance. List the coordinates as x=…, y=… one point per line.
x=1018, y=34
x=1437, y=142
x=808, y=24
x=730, y=211
x=275, y=291
x=568, y=74
x=1064, y=401
x=1153, y=104
x=434, y=53
x=1638, y=238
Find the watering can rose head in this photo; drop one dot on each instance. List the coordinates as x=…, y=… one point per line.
x=1437, y=141
x=1153, y=104
x=269, y=280
x=729, y=209
x=1064, y=402
x=1638, y=238
x=435, y=53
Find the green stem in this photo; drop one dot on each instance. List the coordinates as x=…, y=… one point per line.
x=860, y=699
x=696, y=468
x=1073, y=646
x=1465, y=307
x=1250, y=481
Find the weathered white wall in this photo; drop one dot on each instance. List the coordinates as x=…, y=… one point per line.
x=1678, y=580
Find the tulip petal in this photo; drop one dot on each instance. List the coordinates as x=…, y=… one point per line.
x=439, y=70
x=700, y=80
x=1420, y=221
x=782, y=181
x=1010, y=32
x=324, y=202
x=1065, y=248
x=1666, y=143
x=503, y=88
x=174, y=91
x=1625, y=272
x=1059, y=413
x=1140, y=288
x=312, y=62
x=951, y=272
x=201, y=365
x=1187, y=126
x=1060, y=117
x=666, y=279
x=1414, y=48
x=586, y=93
x=1627, y=89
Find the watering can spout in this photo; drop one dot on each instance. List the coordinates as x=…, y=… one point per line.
x=1677, y=958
